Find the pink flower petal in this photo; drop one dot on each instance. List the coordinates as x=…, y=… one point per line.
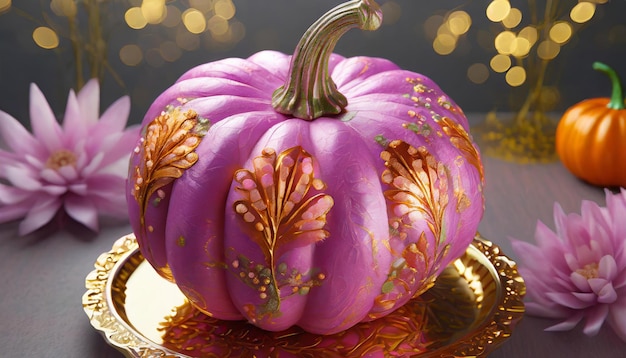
x=114, y=119
x=597, y=284
x=620, y=280
x=44, y=124
x=52, y=176
x=586, y=297
x=10, y=195
x=41, y=212
x=56, y=190
x=607, y=294
x=595, y=318
x=617, y=317
x=567, y=300
x=21, y=178
x=79, y=189
x=93, y=166
x=580, y=281
x=549, y=310
x=17, y=138
x=68, y=172
x=89, y=101
x=82, y=210
x=13, y=212
x=607, y=268
x=567, y=324
x=73, y=125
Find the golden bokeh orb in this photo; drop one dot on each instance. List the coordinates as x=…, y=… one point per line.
x=134, y=18
x=500, y=63
x=516, y=76
x=498, y=10
x=194, y=21
x=582, y=12
x=46, y=38
x=478, y=73
x=131, y=55
x=561, y=32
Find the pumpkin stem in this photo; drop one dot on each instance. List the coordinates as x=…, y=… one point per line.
x=309, y=91
x=617, y=97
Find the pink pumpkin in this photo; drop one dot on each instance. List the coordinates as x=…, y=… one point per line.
x=334, y=201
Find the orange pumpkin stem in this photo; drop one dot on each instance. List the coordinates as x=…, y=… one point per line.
x=617, y=96
x=309, y=92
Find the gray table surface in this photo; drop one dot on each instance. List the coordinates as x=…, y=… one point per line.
x=43, y=277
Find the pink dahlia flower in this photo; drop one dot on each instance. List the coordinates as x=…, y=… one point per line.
x=79, y=166
x=579, y=272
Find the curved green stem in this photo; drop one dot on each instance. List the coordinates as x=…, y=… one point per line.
x=617, y=96
x=309, y=92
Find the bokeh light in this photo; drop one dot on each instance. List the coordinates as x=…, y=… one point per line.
x=504, y=42
x=512, y=19
x=173, y=17
x=224, y=9
x=65, y=8
x=154, y=11
x=134, y=18
x=431, y=26
x=131, y=55
x=218, y=26
x=500, y=63
x=45, y=38
x=548, y=50
x=392, y=12
x=459, y=22
x=516, y=76
x=449, y=30
x=194, y=21
x=561, y=32
x=498, y=10
x=582, y=12
x=170, y=51
x=529, y=33
x=478, y=73
x=5, y=5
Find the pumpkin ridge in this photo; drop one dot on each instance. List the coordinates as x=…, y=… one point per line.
x=224, y=69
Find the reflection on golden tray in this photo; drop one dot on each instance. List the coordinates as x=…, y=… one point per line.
x=472, y=308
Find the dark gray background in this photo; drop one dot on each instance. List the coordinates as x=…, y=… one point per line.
x=281, y=23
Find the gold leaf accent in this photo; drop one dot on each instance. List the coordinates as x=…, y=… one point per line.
x=419, y=185
x=277, y=211
x=166, y=151
x=419, y=192
x=460, y=139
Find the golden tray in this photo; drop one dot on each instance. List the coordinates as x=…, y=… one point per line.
x=472, y=309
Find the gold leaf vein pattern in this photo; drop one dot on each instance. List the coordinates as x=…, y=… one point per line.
x=418, y=192
x=419, y=186
x=277, y=209
x=166, y=150
x=460, y=138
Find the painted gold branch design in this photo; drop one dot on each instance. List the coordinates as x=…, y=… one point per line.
x=277, y=210
x=166, y=150
x=460, y=139
x=419, y=186
x=418, y=192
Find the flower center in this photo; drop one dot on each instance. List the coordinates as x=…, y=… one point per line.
x=60, y=159
x=589, y=271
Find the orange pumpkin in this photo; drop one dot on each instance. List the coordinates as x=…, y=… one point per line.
x=591, y=136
